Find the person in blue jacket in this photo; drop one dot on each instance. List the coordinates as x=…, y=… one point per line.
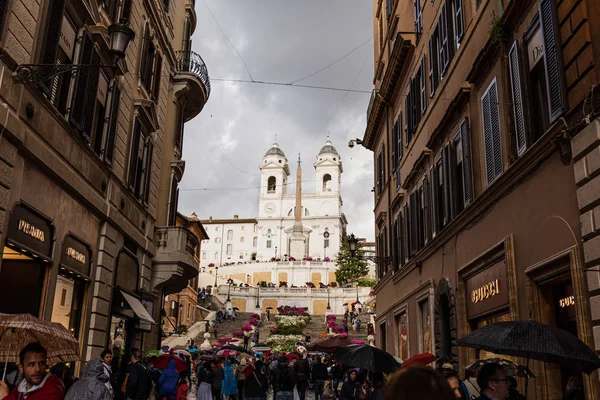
x=167, y=383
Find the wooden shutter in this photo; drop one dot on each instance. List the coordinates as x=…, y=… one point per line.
x=491, y=131
x=458, y=20
x=388, y=8
x=446, y=186
x=147, y=172
x=423, y=86
x=393, y=146
x=405, y=232
x=466, y=161
x=49, y=47
x=133, y=158
x=394, y=244
x=383, y=174
x=113, y=116
x=82, y=103
x=418, y=16
x=401, y=248
x=414, y=238
x=122, y=11
x=443, y=24
x=426, y=211
x=407, y=118
x=399, y=139
x=156, y=81
x=434, y=205
x=553, y=57
x=3, y=10
x=517, y=97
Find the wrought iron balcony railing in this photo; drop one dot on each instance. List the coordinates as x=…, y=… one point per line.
x=189, y=61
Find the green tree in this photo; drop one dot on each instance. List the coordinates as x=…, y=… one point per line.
x=350, y=268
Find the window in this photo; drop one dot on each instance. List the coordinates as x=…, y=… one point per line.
x=402, y=324
x=150, y=66
x=434, y=75
x=241, y=255
x=216, y=255
x=389, y=5
x=424, y=326
x=179, y=128
x=217, y=240
x=326, y=181
x=254, y=241
x=204, y=255
x=418, y=16
x=118, y=10
x=3, y=9
x=173, y=200
x=268, y=244
x=51, y=37
x=416, y=102
x=57, y=89
x=380, y=171
x=230, y=234
x=490, y=113
x=242, y=239
x=166, y=5
x=424, y=217
x=110, y=128
x=406, y=232
x=397, y=149
x=229, y=249
x=242, y=227
x=140, y=162
x=437, y=196
x=463, y=187
x=271, y=184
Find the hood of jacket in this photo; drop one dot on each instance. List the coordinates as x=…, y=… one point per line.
x=94, y=369
x=171, y=365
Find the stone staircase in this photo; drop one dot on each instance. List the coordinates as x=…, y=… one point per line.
x=226, y=328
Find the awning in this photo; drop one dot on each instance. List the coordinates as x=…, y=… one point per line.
x=137, y=307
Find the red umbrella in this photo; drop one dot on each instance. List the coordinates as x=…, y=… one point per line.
x=227, y=353
x=419, y=359
x=162, y=362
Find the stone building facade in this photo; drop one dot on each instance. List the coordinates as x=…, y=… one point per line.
x=484, y=132
x=89, y=166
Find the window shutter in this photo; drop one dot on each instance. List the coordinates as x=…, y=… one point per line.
x=147, y=173
x=133, y=158
x=393, y=146
x=49, y=47
x=552, y=56
x=414, y=239
x=157, y=72
x=383, y=174
x=90, y=96
x=433, y=191
x=466, y=161
x=143, y=61
x=399, y=139
x=401, y=248
x=426, y=218
x=406, y=233
x=112, y=122
x=122, y=11
x=3, y=10
x=491, y=130
x=495, y=124
x=79, y=103
x=458, y=20
x=517, y=97
x=431, y=81
x=407, y=111
x=446, y=193
x=442, y=23
x=423, y=84
x=487, y=138
x=388, y=8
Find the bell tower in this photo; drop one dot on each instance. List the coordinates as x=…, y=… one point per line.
x=274, y=172
x=328, y=168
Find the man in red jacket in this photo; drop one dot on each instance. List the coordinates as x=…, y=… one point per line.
x=37, y=383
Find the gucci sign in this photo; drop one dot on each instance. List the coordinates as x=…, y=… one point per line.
x=566, y=302
x=485, y=292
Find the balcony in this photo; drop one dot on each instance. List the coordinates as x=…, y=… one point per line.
x=191, y=81
x=174, y=263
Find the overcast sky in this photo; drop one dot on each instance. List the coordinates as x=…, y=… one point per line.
x=280, y=41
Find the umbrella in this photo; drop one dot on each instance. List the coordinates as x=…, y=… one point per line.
x=398, y=359
x=244, y=355
x=215, y=321
x=153, y=353
x=193, y=350
x=367, y=357
x=269, y=308
x=419, y=359
x=183, y=352
x=512, y=368
x=235, y=309
x=260, y=347
x=226, y=353
x=531, y=339
x=331, y=345
x=18, y=330
x=162, y=362
x=234, y=347
x=206, y=357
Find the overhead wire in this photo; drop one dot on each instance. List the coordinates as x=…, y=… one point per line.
x=207, y=189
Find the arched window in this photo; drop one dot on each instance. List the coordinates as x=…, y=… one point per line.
x=254, y=242
x=241, y=255
x=217, y=240
x=230, y=234
x=271, y=184
x=229, y=249
x=216, y=255
x=326, y=181
x=204, y=255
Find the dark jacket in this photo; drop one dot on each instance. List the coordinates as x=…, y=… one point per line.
x=301, y=371
x=167, y=383
x=350, y=390
x=279, y=385
x=256, y=385
x=92, y=385
x=139, y=384
x=319, y=371
x=52, y=388
x=218, y=376
x=205, y=375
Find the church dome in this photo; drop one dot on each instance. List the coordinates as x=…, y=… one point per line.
x=275, y=151
x=328, y=149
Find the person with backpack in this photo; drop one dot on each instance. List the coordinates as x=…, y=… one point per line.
x=138, y=384
x=283, y=382
x=256, y=384
x=302, y=375
x=167, y=383
x=217, y=384
x=205, y=377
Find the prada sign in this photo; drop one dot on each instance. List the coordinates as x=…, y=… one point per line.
x=30, y=231
x=486, y=291
x=76, y=255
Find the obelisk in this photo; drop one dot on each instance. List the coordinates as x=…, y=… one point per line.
x=297, y=241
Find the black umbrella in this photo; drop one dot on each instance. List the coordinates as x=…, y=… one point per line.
x=533, y=340
x=367, y=357
x=269, y=308
x=235, y=309
x=511, y=367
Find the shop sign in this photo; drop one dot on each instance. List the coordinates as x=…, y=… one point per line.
x=564, y=302
x=31, y=231
x=76, y=255
x=487, y=291
x=67, y=38
x=535, y=48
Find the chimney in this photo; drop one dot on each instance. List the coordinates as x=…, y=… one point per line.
x=235, y=216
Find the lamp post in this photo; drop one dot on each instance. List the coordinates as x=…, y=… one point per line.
x=326, y=235
x=275, y=253
x=258, y=297
x=216, y=275
x=120, y=35
x=229, y=282
x=378, y=260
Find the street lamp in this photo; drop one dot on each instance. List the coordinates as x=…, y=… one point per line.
x=229, y=282
x=216, y=275
x=258, y=297
x=120, y=36
x=275, y=253
x=378, y=260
